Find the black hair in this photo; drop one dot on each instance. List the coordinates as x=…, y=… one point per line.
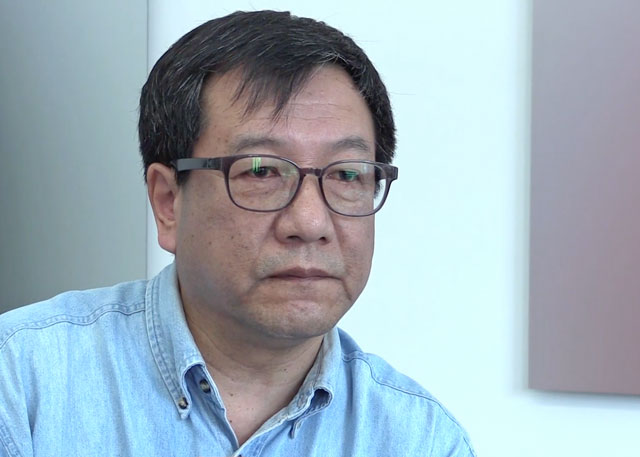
x=275, y=53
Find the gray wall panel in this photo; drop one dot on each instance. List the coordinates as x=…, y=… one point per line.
x=72, y=199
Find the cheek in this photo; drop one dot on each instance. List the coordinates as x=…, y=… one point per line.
x=358, y=251
x=208, y=229
x=216, y=259
x=220, y=241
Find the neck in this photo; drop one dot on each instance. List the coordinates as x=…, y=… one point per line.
x=256, y=377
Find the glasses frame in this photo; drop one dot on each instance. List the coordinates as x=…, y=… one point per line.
x=224, y=164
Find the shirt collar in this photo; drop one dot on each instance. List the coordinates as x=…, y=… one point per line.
x=172, y=344
x=175, y=352
x=317, y=390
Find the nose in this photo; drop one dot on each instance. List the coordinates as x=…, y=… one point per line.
x=307, y=218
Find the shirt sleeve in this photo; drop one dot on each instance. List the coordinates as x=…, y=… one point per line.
x=15, y=431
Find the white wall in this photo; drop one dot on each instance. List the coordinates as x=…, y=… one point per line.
x=447, y=298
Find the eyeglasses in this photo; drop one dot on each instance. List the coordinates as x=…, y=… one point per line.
x=266, y=183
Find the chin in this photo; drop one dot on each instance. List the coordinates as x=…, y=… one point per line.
x=299, y=320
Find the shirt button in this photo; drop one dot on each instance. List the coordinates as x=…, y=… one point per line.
x=182, y=403
x=204, y=385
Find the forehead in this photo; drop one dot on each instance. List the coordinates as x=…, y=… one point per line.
x=328, y=109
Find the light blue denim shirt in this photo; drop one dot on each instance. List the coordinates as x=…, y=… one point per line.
x=116, y=372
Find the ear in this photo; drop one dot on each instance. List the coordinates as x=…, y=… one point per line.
x=163, y=196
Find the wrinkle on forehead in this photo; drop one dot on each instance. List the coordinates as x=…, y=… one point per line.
x=249, y=141
x=328, y=114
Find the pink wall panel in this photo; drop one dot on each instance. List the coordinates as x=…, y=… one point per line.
x=585, y=197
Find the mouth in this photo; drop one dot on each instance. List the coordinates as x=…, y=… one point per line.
x=302, y=274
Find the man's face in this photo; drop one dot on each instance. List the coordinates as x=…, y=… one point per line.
x=288, y=274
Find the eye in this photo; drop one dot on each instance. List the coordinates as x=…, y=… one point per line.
x=347, y=175
x=258, y=170
x=262, y=172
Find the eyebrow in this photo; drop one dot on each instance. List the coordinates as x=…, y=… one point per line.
x=243, y=142
x=352, y=142
x=250, y=141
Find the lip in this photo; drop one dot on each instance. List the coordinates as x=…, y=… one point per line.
x=299, y=273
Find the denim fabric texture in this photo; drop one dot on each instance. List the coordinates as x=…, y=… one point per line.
x=116, y=372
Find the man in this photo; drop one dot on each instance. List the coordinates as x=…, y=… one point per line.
x=266, y=141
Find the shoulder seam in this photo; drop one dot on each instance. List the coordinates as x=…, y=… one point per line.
x=75, y=320
x=356, y=355
x=429, y=398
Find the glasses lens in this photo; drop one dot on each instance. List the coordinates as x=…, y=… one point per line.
x=354, y=188
x=262, y=183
